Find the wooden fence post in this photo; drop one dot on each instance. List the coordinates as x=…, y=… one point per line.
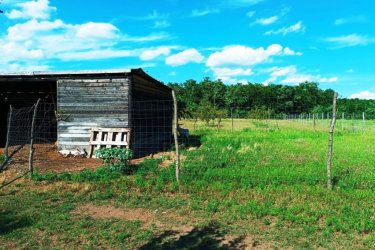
x=364, y=121
x=175, y=125
x=330, y=142
x=8, y=132
x=342, y=120
x=231, y=116
x=31, y=154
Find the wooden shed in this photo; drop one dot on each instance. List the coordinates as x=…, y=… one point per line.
x=94, y=99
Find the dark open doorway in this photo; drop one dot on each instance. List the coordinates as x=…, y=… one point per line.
x=22, y=93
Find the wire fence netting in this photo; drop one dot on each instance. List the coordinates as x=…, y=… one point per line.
x=245, y=146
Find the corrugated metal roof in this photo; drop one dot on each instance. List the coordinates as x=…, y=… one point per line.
x=66, y=72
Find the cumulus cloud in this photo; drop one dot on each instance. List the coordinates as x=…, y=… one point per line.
x=295, y=28
x=41, y=39
x=290, y=52
x=184, y=57
x=235, y=61
x=290, y=75
x=39, y=9
x=229, y=75
x=246, y=56
x=151, y=54
x=93, y=30
x=367, y=95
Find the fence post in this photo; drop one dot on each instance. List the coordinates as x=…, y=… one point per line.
x=353, y=122
x=330, y=142
x=31, y=154
x=364, y=121
x=175, y=125
x=342, y=120
x=8, y=132
x=231, y=116
x=314, y=121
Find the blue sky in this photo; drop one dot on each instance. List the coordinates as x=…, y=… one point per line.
x=263, y=41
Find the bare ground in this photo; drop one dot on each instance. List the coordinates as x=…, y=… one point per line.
x=169, y=221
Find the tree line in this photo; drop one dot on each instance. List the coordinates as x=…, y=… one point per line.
x=212, y=99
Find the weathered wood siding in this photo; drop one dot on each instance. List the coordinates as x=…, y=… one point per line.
x=84, y=104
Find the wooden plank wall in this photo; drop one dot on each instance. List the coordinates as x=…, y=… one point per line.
x=87, y=103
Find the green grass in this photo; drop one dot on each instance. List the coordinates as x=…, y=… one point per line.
x=266, y=180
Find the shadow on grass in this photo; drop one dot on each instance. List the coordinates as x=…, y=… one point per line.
x=208, y=237
x=10, y=222
x=190, y=141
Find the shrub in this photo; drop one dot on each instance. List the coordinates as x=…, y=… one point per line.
x=117, y=159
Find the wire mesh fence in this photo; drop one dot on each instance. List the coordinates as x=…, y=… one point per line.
x=240, y=145
x=151, y=126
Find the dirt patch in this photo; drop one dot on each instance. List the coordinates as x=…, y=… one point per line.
x=110, y=212
x=47, y=159
x=161, y=219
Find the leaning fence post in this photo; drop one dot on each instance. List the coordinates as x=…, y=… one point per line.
x=175, y=125
x=31, y=154
x=8, y=132
x=330, y=142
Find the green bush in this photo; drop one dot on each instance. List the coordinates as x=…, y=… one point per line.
x=117, y=159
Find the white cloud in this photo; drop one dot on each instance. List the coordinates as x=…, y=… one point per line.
x=240, y=3
x=148, y=38
x=266, y=21
x=245, y=56
x=93, y=30
x=295, y=28
x=28, y=30
x=226, y=72
x=234, y=61
x=350, y=40
x=39, y=9
x=350, y=70
x=290, y=52
x=184, y=57
x=151, y=54
x=34, y=42
x=161, y=24
x=155, y=15
x=229, y=75
x=327, y=79
x=367, y=95
x=290, y=75
x=351, y=19
x=250, y=14
x=95, y=54
x=205, y=12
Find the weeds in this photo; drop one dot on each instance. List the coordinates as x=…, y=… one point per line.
x=262, y=182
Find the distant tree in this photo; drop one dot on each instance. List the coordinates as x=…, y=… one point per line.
x=197, y=99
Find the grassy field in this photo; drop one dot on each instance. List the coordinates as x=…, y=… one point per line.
x=262, y=185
